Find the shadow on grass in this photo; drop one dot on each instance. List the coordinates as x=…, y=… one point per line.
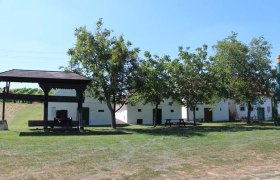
x=189, y=131
x=74, y=133
x=180, y=131
x=108, y=125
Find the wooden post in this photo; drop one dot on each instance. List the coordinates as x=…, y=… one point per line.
x=79, y=109
x=5, y=91
x=3, y=107
x=79, y=95
x=80, y=115
x=46, y=90
x=46, y=105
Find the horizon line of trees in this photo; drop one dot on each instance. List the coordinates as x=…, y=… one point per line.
x=237, y=70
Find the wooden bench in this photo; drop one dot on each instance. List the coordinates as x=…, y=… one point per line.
x=51, y=123
x=175, y=121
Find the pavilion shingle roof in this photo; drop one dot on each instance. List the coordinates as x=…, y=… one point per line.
x=16, y=75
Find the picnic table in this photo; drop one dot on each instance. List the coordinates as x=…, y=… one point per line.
x=175, y=121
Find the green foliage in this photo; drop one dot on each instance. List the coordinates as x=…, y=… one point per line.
x=242, y=72
x=31, y=91
x=155, y=81
x=191, y=78
x=109, y=62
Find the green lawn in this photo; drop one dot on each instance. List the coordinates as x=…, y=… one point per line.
x=215, y=150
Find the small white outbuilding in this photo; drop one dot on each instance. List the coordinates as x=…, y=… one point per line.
x=143, y=114
x=259, y=111
x=208, y=113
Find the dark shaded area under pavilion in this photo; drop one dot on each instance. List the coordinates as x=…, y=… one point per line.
x=47, y=80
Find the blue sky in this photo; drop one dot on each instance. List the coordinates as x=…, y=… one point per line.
x=36, y=34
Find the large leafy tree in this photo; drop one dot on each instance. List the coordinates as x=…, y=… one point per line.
x=155, y=81
x=242, y=71
x=190, y=78
x=110, y=62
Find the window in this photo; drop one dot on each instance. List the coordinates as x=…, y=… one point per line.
x=139, y=121
x=170, y=103
x=196, y=108
x=100, y=110
x=242, y=108
x=220, y=109
x=139, y=110
x=171, y=110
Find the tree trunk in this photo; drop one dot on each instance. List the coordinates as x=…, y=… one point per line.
x=155, y=116
x=113, y=114
x=113, y=118
x=188, y=115
x=249, y=113
x=194, y=121
x=274, y=108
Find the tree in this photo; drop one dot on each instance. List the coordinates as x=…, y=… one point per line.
x=109, y=62
x=155, y=84
x=243, y=72
x=191, y=82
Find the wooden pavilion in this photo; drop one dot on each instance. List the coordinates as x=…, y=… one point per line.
x=47, y=80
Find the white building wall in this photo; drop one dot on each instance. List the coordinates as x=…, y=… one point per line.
x=70, y=107
x=121, y=115
x=184, y=112
x=173, y=111
x=199, y=112
x=221, y=111
x=145, y=113
x=99, y=113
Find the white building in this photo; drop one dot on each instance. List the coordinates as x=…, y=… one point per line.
x=94, y=112
x=97, y=113
x=260, y=111
x=143, y=114
x=227, y=110
x=208, y=113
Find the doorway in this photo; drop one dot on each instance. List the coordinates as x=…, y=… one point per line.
x=260, y=113
x=159, y=116
x=85, y=115
x=208, y=115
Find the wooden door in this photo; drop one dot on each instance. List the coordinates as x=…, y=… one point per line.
x=260, y=112
x=159, y=116
x=208, y=115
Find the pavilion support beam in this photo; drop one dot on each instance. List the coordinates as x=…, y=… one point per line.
x=3, y=106
x=46, y=90
x=3, y=123
x=6, y=90
x=80, y=115
x=79, y=94
x=38, y=98
x=46, y=106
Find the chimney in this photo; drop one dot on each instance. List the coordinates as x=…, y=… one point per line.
x=278, y=58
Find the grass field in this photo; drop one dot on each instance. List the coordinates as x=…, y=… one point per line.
x=209, y=151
